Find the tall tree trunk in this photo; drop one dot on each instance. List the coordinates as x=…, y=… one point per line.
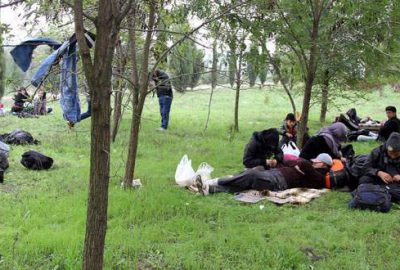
x=139, y=90
x=311, y=70
x=118, y=92
x=237, y=96
x=324, y=97
x=213, y=80
x=98, y=74
x=2, y=63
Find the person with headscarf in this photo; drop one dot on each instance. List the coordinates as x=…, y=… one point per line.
x=383, y=164
x=262, y=146
x=327, y=140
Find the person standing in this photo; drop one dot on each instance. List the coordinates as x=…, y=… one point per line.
x=391, y=125
x=164, y=94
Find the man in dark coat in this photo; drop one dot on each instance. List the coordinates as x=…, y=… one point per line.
x=383, y=165
x=260, y=149
x=164, y=94
x=300, y=173
x=391, y=125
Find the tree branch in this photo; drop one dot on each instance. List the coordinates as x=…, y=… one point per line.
x=16, y=2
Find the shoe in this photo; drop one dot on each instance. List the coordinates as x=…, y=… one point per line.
x=203, y=189
x=161, y=129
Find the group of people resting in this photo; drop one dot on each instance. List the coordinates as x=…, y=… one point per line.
x=267, y=169
x=39, y=102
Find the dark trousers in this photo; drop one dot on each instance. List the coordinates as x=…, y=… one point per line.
x=165, y=106
x=252, y=179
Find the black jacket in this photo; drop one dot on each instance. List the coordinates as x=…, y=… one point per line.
x=262, y=146
x=163, y=84
x=379, y=161
x=315, y=146
x=391, y=125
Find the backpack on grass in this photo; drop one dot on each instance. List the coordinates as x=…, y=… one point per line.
x=36, y=161
x=372, y=197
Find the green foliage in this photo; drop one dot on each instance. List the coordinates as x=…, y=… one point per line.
x=253, y=64
x=186, y=65
x=161, y=226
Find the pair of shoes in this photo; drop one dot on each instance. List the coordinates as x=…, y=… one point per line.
x=161, y=129
x=203, y=189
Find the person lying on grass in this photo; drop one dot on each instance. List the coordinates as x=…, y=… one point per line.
x=300, y=173
x=263, y=150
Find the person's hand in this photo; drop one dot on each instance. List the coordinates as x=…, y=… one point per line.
x=396, y=178
x=387, y=178
x=272, y=163
x=343, y=159
x=289, y=135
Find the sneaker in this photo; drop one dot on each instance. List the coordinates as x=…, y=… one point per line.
x=161, y=129
x=203, y=189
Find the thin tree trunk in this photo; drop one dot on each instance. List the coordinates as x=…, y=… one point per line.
x=311, y=70
x=213, y=80
x=324, y=97
x=237, y=96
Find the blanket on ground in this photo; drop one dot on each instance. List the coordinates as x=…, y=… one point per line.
x=293, y=195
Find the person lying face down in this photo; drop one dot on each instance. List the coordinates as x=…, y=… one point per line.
x=327, y=140
x=301, y=173
x=263, y=150
x=383, y=165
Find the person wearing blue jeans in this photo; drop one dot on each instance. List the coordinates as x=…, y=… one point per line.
x=165, y=96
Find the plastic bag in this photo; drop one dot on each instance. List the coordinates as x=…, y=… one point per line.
x=291, y=148
x=184, y=172
x=205, y=171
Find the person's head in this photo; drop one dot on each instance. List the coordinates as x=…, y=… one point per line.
x=290, y=120
x=270, y=138
x=393, y=145
x=390, y=111
x=323, y=160
x=156, y=73
x=338, y=131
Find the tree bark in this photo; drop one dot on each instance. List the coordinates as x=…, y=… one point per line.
x=311, y=70
x=324, y=97
x=213, y=80
x=237, y=96
x=98, y=74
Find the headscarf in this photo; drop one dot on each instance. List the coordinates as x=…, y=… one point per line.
x=333, y=136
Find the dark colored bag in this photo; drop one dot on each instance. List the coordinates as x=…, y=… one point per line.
x=36, y=161
x=19, y=137
x=372, y=197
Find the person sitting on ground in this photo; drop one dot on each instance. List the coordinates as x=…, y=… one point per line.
x=302, y=173
x=391, y=125
x=288, y=130
x=3, y=165
x=327, y=140
x=383, y=164
x=261, y=148
x=19, y=99
x=39, y=103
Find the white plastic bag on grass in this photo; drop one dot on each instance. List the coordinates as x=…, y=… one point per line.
x=184, y=172
x=205, y=171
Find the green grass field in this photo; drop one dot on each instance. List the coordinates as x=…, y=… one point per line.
x=162, y=226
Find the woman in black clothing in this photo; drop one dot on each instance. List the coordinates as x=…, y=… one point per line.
x=327, y=141
x=19, y=100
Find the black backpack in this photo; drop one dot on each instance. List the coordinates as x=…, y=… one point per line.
x=372, y=197
x=36, y=161
x=19, y=137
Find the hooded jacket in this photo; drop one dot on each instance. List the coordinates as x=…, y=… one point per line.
x=333, y=136
x=262, y=146
x=380, y=161
x=163, y=84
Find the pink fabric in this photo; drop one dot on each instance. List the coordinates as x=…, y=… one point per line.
x=290, y=157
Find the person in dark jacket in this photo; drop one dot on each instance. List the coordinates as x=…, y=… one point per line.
x=327, y=141
x=261, y=148
x=300, y=173
x=164, y=94
x=3, y=165
x=391, y=125
x=383, y=164
x=288, y=130
x=19, y=100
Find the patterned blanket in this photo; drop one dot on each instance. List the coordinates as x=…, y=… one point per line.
x=293, y=195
